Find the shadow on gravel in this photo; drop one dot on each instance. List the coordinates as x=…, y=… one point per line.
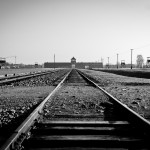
x=110, y=112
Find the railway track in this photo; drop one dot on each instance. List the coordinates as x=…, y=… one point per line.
x=8, y=80
x=79, y=114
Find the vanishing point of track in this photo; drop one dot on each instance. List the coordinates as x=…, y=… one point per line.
x=71, y=118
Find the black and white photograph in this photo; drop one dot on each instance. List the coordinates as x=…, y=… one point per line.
x=74, y=74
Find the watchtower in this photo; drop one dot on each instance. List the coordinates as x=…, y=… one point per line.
x=148, y=62
x=36, y=65
x=73, y=62
x=2, y=61
x=123, y=64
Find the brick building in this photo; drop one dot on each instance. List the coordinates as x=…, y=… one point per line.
x=73, y=64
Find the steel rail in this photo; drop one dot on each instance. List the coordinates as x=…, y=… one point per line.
x=11, y=76
x=26, y=125
x=29, y=121
x=138, y=120
x=23, y=77
x=81, y=134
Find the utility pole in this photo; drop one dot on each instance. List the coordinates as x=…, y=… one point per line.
x=131, y=58
x=15, y=60
x=102, y=61
x=108, y=62
x=117, y=61
x=54, y=61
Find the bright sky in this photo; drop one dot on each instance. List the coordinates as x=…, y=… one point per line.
x=35, y=30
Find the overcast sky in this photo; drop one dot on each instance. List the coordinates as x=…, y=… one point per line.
x=35, y=30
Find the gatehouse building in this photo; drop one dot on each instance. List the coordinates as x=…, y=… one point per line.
x=73, y=64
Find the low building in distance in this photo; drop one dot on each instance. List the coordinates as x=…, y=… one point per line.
x=73, y=64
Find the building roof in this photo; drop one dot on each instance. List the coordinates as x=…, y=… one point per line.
x=73, y=58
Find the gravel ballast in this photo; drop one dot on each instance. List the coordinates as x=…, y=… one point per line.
x=76, y=100
x=16, y=101
x=19, y=97
x=134, y=92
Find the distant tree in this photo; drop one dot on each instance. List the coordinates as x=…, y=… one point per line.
x=139, y=61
